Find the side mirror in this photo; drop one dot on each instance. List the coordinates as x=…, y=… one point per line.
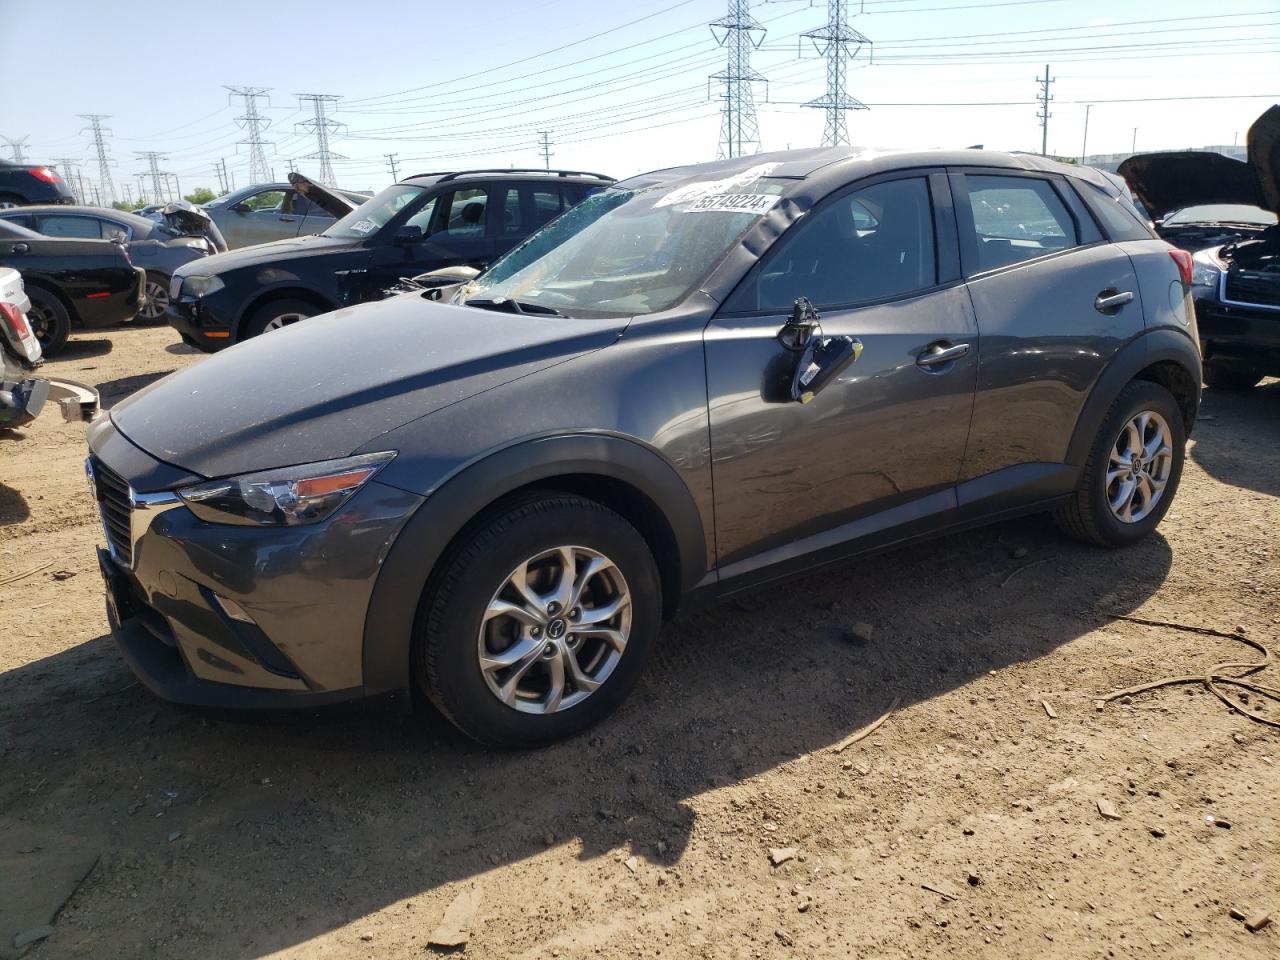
x=408, y=235
x=810, y=360
x=240, y=207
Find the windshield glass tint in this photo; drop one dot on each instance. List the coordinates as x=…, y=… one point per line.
x=1222, y=212
x=372, y=215
x=629, y=252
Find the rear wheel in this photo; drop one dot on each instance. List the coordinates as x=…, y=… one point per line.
x=541, y=623
x=1132, y=471
x=8, y=200
x=50, y=320
x=276, y=315
x=1229, y=378
x=157, y=299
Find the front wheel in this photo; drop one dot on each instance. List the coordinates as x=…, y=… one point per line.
x=541, y=623
x=276, y=315
x=1132, y=472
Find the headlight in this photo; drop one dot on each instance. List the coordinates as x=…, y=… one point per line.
x=285, y=497
x=1204, y=275
x=201, y=286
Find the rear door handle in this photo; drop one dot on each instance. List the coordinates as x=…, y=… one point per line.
x=1109, y=300
x=936, y=354
x=20, y=248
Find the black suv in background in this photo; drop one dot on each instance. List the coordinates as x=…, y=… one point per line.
x=27, y=183
x=423, y=223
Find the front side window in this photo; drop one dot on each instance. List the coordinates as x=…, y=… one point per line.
x=1016, y=219
x=630, y=252
x=268, y=200
x=873, y=243
x=463, y=212
x=374, y=214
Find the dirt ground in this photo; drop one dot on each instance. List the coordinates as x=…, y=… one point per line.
x=173, y=834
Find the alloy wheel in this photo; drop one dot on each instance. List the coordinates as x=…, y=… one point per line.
x=282, y=320
x=1140, y=464
x=555, y=630
x=40, y=319
x=157, y=301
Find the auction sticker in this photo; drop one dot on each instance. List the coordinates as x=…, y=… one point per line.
x=757, y=203
x=364, y=226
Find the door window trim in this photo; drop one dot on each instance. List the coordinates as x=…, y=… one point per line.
x=968, y=231
x=947, y=272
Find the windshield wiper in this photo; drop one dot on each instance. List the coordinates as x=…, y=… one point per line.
x=506, y=305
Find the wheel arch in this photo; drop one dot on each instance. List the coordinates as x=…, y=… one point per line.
x=1164, y=356
x=291, y=292
x=52, y=289
x=619, y=473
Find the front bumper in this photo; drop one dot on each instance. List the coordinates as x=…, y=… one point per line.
x=201, y=322
x=233, y=616
x=1239, y=336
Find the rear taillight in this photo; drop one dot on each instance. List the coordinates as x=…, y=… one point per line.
x=45, y=174
x=14, y=319
x=1183, y=260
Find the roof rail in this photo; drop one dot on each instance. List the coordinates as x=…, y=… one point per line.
x=433, y=173
x=559, y=173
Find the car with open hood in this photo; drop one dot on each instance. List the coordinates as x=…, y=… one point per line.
x=1225, y=211
x=264, y=212
x=177, y=233
x=71, y=282
x=690, y=384
x=421, y=224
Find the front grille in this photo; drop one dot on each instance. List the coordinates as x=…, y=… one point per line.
x=1251, y=286
x=115, y=503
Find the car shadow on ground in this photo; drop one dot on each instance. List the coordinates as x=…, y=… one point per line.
x=1236, y=436
x=111, y=392
x=80, y=348
x=291, y=827
x=13, y=505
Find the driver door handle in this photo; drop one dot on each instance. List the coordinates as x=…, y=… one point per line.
x=937, y=354
x=20, y=248
x=1110, y=300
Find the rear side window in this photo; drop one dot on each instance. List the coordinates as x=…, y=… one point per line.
x=1016, y=219
x=81, y=228
x=872, y=243
x=1119, y=217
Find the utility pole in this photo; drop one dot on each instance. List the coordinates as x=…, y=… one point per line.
x=17, y=149
x=391, y=163
x=1134, y=147
x=739, y=33
x=1045, y=82
x=321, y=126
x=220, y=171
x=1084, y=144
x=128, y=193
x=293, y=165
x=838, y=43
x=544, y=148
x=254, y=125
x=100, y=146
x=142, y=190
x=153, y=159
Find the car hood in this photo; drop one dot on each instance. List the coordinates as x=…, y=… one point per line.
x=1165, y=182
x=325, y=387
x=331, y=203
x=261, y=254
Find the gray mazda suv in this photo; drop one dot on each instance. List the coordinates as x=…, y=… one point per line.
x=696, y=381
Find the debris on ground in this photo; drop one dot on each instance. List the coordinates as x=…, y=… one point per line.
x=454, y=929
x=867, y=730
x=34, y=935
x=780, y=855
x=859, y=634
x=1108, y=809
x=1048, y=710
x=940, y=891
x=1257, y=922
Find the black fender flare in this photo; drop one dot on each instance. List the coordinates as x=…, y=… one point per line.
x=394, y=603
x=284, y=290
x=1163, y=344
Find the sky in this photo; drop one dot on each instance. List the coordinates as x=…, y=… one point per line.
x=620, y=87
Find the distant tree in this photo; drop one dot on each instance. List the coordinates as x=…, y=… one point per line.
x=201, y=195
x=125, y=207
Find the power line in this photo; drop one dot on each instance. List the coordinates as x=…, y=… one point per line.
x=322, y=127
x=1045, y=82
x=838, y=43
x=100, y=146
x=738, y=31
x=253, y=125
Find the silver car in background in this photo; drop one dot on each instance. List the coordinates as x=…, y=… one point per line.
x=273, y=211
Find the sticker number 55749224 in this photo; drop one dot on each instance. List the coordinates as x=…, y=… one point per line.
x=757, y=203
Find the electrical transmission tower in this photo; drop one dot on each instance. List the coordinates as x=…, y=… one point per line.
x=544, y=147
x=838, y=43
x=17, y=149
x=321, y=126
x=739, y=33
x=1044, y=113
x=108, y=189
x=391, y=164
x=153, y=162
x=66, y=167
x=254, y=124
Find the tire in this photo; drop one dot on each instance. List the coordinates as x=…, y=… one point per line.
x=1090, y=515
x=50, y=320
x=1229, y=379
x=454, y=629
x=157, y=299
x=274, y=314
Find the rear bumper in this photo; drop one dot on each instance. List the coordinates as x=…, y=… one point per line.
x=1239, y=336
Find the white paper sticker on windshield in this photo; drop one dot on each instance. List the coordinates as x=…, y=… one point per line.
x=364, y=226
x=692, y=191
x=757, y=203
